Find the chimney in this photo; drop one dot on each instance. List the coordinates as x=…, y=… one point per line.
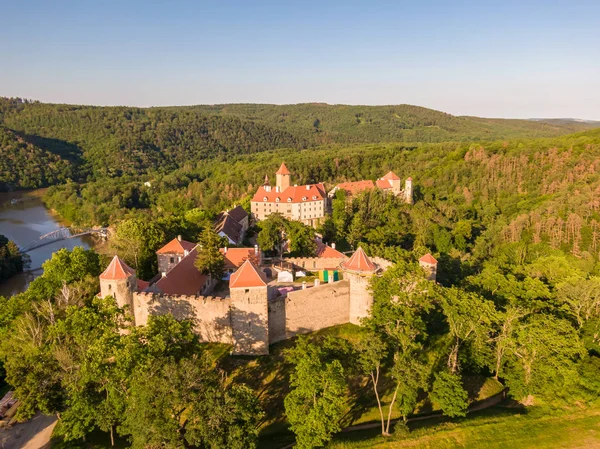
x=185, y=253
x=307, y=187
x=256, y=249
x=333, y=245
x=225, y=250
x=277, y=188
x=179, y=237
x=163, y=274
x=303, y=285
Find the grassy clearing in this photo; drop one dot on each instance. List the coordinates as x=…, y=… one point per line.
x=497, y=427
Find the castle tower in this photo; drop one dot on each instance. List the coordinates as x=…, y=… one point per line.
x=358, y=270
x=249, y=310
x=408, y=191
x=394, y=181
x=429, y=263
x=119, y=280
x=283, y=177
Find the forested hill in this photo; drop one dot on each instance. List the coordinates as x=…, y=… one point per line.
x=90, y=143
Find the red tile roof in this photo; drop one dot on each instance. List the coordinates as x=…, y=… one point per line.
x=359, y=262
x=283, y=170
x=117, y=269
x=312, y=192
x=235, y=257
x=327, y=252
x=176, y=246
x=184, y=278
x=391, y=176
x=428, y=258
x=384, y=183
x=142, y=285
x=356, y=186
x=248, y=275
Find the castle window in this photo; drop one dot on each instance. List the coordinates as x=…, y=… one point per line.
x=172, y=260
x=247, y=291
x=109, y=287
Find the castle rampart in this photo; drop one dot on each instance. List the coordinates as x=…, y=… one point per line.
x=317, y=308
x=315, y=263
x=210, y=314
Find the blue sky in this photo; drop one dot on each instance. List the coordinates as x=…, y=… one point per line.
x=488, y=58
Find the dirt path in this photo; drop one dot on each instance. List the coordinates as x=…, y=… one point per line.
x=33, y=434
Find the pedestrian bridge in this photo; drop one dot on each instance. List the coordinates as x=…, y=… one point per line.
x=62, y=234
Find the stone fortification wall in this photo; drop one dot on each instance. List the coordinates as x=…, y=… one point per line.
x=277, y=319
x=211, y=315
x=314, y=308
x=315, y=263
x=383, y=263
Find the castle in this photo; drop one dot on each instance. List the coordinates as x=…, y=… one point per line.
x=306, y=203
x=256, y=310
x=261, y=303
x=309, y=203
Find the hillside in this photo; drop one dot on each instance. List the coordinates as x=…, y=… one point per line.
x=101, y=142
x=24, y=165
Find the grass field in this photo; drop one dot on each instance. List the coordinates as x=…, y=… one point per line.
x=493, y=428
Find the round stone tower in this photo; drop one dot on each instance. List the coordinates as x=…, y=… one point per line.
x=408, y=191
x=359, y=270
x=119, y=280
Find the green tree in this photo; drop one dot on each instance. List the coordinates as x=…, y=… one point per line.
x=270, y=236
x=316, y=402
x=469, y=317
x=209, y=259
x=302, y=239
x=449, y=394
x=136, y=241
x=545, y=353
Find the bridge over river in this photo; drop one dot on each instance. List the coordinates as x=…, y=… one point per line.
x=62, y=234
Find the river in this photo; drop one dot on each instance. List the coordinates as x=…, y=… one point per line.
x=24, y=222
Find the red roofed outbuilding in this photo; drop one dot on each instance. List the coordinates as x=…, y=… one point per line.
x=172, y=253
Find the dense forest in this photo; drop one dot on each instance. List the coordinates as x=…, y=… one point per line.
x=93, y=143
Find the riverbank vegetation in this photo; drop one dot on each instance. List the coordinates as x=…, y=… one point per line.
x=12, y=261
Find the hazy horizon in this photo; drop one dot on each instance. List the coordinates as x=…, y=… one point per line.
x=518, y=59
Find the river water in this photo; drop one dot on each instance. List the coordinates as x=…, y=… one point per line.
x=24, y=222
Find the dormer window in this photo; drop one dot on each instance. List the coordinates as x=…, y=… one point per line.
x=304, y=198
x=265, y=198
x=277, y=200
x=289, y=200
x=314, y=197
